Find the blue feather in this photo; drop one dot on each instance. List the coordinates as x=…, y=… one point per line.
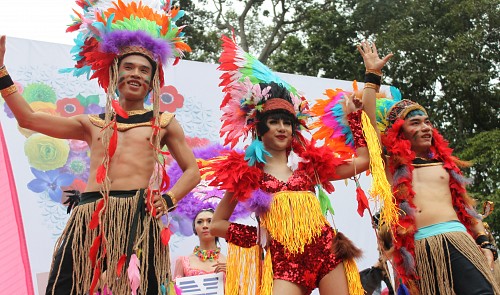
x=256, y=152
x=403, y=290
x=396, y=94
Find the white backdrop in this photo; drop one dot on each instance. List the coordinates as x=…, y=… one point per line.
x=30, y=62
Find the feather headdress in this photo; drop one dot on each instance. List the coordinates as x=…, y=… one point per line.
x=389, y=110
x=107, y=29
x=244, y=96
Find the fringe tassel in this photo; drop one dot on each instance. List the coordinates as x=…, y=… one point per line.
x=381, y=189
x=243, y=271
x=294, y=219
x=78, y=239
x=353, y=278
x=266, y=285
x=437, y=273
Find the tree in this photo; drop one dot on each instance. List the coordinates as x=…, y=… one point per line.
x=482, y=150
x=260, y=25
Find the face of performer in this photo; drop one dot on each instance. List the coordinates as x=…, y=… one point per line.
x=279, y=135
x=418, y=130
x=202, y=225
x=134, y=77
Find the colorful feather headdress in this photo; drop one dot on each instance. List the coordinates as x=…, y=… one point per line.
x=389, y=110
x=109, y=29
x=244, y=96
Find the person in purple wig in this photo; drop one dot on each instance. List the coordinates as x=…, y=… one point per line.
x=114, y=238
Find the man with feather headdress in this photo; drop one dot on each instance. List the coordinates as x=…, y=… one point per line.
x=440, y=242
x=110, y=242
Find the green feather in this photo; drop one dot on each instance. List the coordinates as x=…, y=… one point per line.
x=324, y=201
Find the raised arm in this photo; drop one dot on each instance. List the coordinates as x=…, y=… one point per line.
x=373, y=67
x=373, y=74
x=54, y=126
x=181, y=152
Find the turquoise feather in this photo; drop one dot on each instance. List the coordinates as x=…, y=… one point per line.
x=256, y=152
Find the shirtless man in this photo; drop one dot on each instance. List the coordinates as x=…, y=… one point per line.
x=434, y=250
x=125, y=231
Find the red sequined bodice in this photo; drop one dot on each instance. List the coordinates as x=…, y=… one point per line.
x=299, y=181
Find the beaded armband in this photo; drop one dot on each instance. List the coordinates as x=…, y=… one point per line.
x=7, y=86
x=354, y=120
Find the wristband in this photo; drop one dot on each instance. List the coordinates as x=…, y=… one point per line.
x=8, y=91
x=354, y=120
x=3, y=71
x=373, y=78
x=480, y=239
x=372, y=86
x=376, y=72
x=169, y=201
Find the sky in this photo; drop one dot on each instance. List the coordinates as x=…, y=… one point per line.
x=37, y=19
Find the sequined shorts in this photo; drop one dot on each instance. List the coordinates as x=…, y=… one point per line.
x=308, y=268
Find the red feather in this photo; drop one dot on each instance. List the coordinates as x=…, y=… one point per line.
x=362, y=201
x=165, y=236
x=150, y=202
x=121, y=263
x=119, y=110
x=94, y=249
x=233, y=174
x=96, y=277
x=101, y=173
x=165, y=181
x=113, y=141
x=94, y=222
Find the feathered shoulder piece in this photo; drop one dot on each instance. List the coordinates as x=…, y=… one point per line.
x=107, y=29
x=244, y=97
x=231, y=172
x=320, y=163
x=331, y=124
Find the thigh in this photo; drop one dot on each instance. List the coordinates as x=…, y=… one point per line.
x=467, y=279
x=335, y=282
x=282, y=287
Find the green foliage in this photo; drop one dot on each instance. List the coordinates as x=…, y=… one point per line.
x=483, y=150
x=446, y=58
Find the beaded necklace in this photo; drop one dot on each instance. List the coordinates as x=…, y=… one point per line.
x=205, y=255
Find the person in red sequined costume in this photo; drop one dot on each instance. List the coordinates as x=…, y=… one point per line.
x=277, y=178
x=301, y=241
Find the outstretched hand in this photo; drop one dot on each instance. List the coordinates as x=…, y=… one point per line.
x=2, y=49
x=370, y=56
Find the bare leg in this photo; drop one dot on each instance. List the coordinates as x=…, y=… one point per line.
x=335, y=282
x=282, y=287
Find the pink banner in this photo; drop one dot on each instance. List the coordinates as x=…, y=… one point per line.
x=15, y=273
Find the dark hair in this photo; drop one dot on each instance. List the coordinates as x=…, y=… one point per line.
x=275, y=91
x=194, y=221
